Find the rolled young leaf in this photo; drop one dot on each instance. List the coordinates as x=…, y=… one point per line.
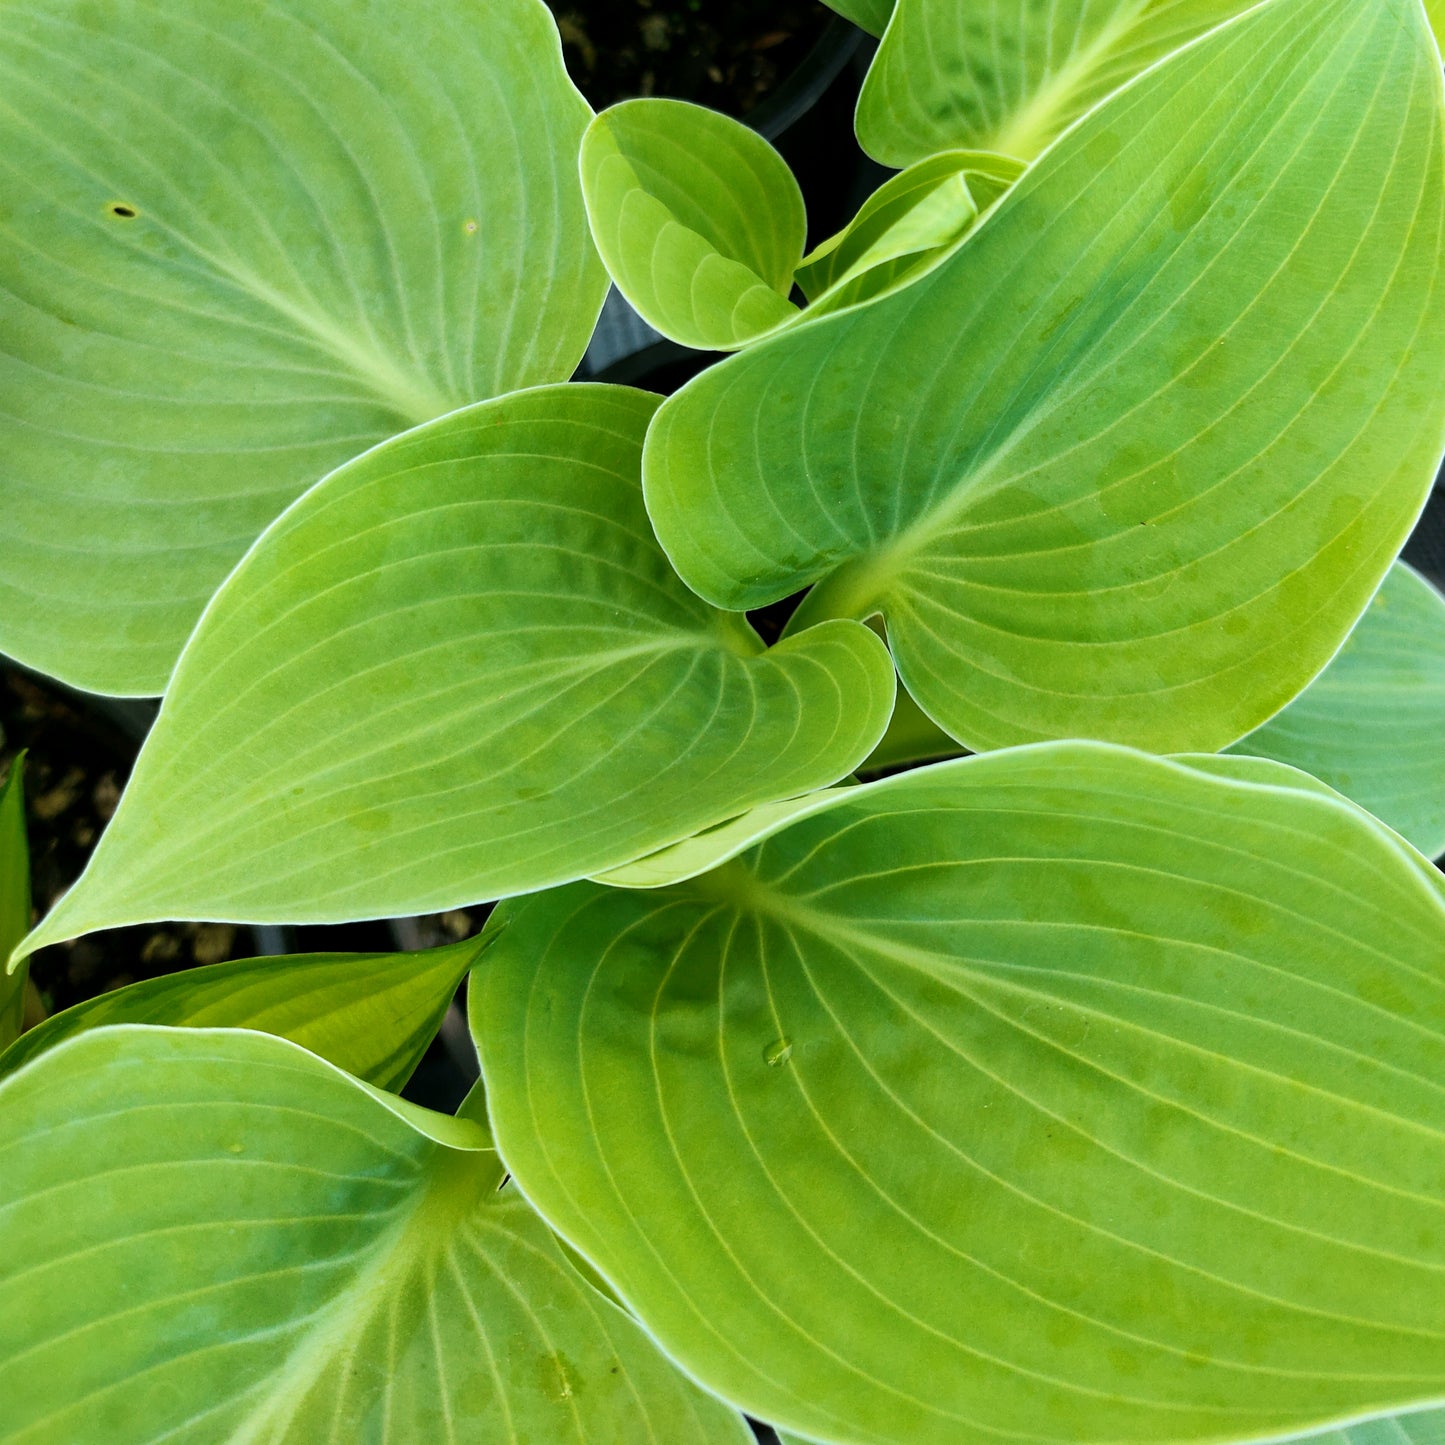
x=242, y=243
x=213, y=1235
x=1002, y=76
x=372, y=1014
x=461, y=668
x=1372, y=725
x=14, y=899
x=698, y=219
x=1062, y=1094
x=909, y=225
x=1132, y=461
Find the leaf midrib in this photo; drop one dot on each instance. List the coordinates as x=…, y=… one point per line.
x=456, y=1178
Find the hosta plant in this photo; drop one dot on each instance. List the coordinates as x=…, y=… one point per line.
x=1007, y=1005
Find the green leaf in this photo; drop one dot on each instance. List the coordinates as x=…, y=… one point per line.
x=869, y=15
x=1422, y=1428
x=1131, y=462
x=1425, y=1428
x=912, y=737
x=1060, y=1094
x=910, y=223
x=241, y=243
x=698, y=219
x=213, y=1235
x=1003, y=76
x=701, y=224
x=462, y=668
x=14, y=899
x=1372, y=725
x=372, y=1014
x=704, y=851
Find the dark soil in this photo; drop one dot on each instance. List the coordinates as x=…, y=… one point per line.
x=728, y=55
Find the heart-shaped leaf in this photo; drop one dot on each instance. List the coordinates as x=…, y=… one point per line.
x=1372, y=725
x=1061, y=1094
x=14, y=898
x=1009, y=77
x=1133, y=460
x=372, y=1014
x=242, y=243
x=698, y=219
x=213, y=1235
x=460, y=668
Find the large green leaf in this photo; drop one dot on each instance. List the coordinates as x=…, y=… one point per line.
x=1008, y=76
x=372, y=1014
x=14, y=898
x=697, y=217
x=1062, y=1094
x=239, y=243
x=462, y=668
x=1421, y=1428
x=1133, y=460
x=213, y=1235
x=1372, y=725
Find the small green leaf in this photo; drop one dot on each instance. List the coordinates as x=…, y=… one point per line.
x=1131, y=462
x=697, y=217
x=242, y=242
x=214, y=1235
x=14, y=899
x=1061, y=1094
x=912, y=737
x=1003, y=76
x=1372, y=725
x=911, y=222
x=869, y=15
x=372, y=1014
x=461, y=668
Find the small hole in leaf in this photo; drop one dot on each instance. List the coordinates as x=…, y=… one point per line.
x=121, y=211
x=470, y=227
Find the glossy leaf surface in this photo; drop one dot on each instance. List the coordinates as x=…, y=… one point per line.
x=239, y=244
x=1007, y=76
x=1133, y=460
x=213, y=1235
x=462, y=668
x=14, y=898
x=1372, y=725
x=1063, y=1093
x=372, y=1014
x=697, y=217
